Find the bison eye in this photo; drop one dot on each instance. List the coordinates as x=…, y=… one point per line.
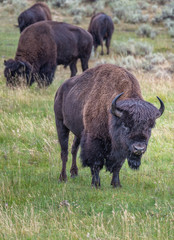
x=152, y=125
x=126, y=128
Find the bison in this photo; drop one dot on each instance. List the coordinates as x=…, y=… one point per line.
x=104, y=109
x=101, y=28
x=44, y=45
x=37, y=12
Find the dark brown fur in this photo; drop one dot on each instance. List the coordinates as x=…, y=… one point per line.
x=101, y=28
x=38, y=12
x=44, y=45
x=108, y=132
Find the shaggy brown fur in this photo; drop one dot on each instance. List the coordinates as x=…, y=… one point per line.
x=38, y=12
x=101, y=28
x=108, y=131
x=44, y=45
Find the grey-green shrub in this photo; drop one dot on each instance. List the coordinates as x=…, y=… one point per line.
x=160, y=1
x=157, y=19
x=156, y=58
x=132, y=48
x=170, y=26
x=59, y=3
x=116, y=20
x=136, y=18
x=146, y=30
x=77, y=19
x=143, y=5
x=16, y=6
x=171, y=32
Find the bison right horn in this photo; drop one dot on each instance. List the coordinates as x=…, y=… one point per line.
x=114, y=109
x=162, y=107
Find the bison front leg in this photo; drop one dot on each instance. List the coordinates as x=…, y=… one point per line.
x=84, y=63
x=92, y=155
x=115, y=179
x=108, y=44
x=95, y=176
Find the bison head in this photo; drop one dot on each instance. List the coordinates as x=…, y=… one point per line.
x=132, y=122
x=17, y=72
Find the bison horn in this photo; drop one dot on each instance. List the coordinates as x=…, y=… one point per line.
x=114, y=109
x=22, y=63
x=162, y=107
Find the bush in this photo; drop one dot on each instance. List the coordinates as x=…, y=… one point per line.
x=120, y=13
x=170, y=26
x=132, y=48
x=171, y=32
x=16, y=6
x=146, y=30
x=137, y=18
x=77, y=19
x=157, y=19
x=156, y=58
x=59, y=3
x=162, y=2
x=116, y=20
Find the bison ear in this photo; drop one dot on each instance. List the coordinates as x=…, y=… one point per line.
x=5, y=63
x=117, y=113
x=21, y=66
x=114, y=110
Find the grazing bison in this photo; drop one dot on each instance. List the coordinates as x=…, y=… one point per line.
x=37, y=12
x=44, y=45
x=101, y=28
x=104, y=109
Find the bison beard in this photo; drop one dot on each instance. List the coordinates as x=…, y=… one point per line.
x=109, y=131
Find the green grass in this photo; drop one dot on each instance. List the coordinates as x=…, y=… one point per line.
x=34, y=205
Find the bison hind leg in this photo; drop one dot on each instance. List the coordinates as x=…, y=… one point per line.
x=74, y=150
x=84, y=63
x=95, y=176
x=63, y=136
x=107, y=43
x=73, y=67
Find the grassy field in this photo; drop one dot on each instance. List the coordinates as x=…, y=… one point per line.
x=34, y=205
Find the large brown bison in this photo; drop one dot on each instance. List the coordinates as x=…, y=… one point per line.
x=44, y=45
x=104, y=109
x=101, y=28
x=37, y=12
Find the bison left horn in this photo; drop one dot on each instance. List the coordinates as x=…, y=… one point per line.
x=114, y=109
x=162, y=107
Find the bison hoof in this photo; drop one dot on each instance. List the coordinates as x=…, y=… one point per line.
x=63, y=178
x=116, y=184
x=74, y=172
x=95, y=185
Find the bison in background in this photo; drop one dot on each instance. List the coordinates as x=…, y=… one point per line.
x=37, y=12
x=44, y=45
x=101, y=28
x=104, y=109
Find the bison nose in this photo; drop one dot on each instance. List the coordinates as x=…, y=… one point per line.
x=138, y=150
